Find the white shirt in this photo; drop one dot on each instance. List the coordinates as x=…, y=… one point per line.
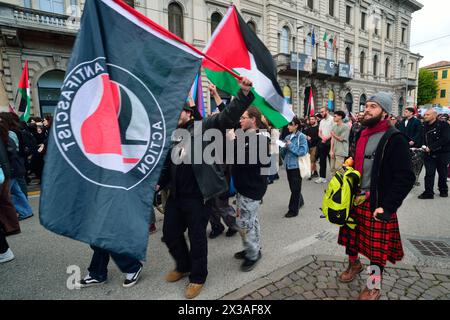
x=326, y=125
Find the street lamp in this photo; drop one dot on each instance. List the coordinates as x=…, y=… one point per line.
x=298, y=76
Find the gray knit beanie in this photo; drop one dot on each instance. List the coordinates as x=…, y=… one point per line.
x=384, y=100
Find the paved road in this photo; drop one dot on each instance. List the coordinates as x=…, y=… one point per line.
x=42, y=258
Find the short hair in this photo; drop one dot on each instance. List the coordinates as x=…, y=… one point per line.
x=340, y=114
x=295, y=121
x=410, y=109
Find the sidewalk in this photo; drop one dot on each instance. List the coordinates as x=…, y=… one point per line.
x=315, y=278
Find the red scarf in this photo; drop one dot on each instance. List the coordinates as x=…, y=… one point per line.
x=381, y=126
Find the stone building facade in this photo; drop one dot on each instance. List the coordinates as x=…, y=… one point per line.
x=367, y=45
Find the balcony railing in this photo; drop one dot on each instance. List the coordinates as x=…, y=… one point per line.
x=15, y=16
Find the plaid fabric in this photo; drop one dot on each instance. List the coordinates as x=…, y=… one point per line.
x=378, y=241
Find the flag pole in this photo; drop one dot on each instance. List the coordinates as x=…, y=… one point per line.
x=174, y=37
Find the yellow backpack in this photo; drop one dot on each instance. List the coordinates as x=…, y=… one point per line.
x=339, y=197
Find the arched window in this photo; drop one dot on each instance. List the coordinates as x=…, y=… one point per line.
x=252, y=26
x=176, y=19
x=362, y=59
x=287, y=93
x=331, y=100
x=362, y=102
x=375, y=65
x=311, y=4
x=49, y=90
x=348, y=53
x=308, y=45
x=329, y=50
x=284, y=40
x=215, y=20
x=387, y=66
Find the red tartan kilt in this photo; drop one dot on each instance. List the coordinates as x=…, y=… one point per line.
x=378, y=241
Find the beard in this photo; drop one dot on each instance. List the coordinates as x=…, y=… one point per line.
x=372, y=121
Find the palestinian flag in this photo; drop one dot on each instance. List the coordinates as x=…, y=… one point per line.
x=24, y=92
x=237, y=47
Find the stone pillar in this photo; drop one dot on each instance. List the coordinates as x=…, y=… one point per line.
x=200, y=32
x=356, y=51
x=272, y=32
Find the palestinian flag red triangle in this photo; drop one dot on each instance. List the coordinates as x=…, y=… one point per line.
x=237, y=47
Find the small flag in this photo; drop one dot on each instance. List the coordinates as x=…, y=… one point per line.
x=24, y=92
x=335, y=42
x=325, y=36
x=197, y=95
x=311, y=102
x=313, y=39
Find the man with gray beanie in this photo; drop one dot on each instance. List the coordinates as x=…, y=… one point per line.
x=383, y=159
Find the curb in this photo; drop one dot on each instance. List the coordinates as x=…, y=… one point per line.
x=282, y=272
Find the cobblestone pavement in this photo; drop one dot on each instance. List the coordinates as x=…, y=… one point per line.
x=315, y=278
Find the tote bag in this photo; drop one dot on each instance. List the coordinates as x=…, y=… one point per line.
x=304, y=164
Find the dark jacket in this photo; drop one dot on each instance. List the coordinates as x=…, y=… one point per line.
x=16, y=162
x=248, y=178
x=392, y=177
x=4, y=163
x=437, y=137
x=210, y=178
x=413, y=131
x=313, y=133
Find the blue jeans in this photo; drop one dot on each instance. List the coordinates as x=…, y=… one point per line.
x=98, y=269
x=20, y=201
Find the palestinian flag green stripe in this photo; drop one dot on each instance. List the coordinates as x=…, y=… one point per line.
x=24, y=104
x=229, y=84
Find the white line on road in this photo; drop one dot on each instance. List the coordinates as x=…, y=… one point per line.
x=303, y=243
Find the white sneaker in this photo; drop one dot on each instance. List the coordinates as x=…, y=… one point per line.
x=7, y=256
x=132, y=278
x=321, y=180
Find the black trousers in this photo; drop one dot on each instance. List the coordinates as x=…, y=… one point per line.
x=324, y=153
x=191, y=214
x=221, y=209
x=295, y=184
x=3, y=243
x=432, y=164
x=98, y=269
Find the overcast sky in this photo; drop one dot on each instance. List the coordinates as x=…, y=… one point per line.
x=433, y=21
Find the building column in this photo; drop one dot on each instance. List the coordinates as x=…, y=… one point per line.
x=356, y=51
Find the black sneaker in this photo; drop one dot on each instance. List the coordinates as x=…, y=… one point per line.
x=248, y=264
x=216, y=232
x=230, y=232
x=443, y=194
x=132, y=278
x=88, y=281
x=426, y=196
x=240, y=255
x=290, y=214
